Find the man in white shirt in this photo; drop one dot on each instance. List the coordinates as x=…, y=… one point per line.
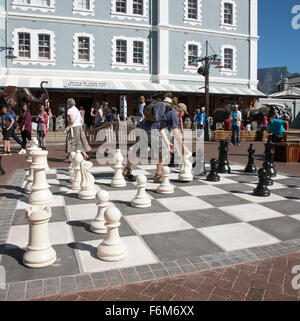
x=141, y=109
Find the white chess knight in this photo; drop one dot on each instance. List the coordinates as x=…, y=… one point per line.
x=71, y=168
x=141, y=200
x=77, y=173
x=98, y=225
x=118, y=179
x=87, y=187
x=40, y=193
x=112, y=249
x=39, y=252
x=185, y=174
x=165, y=187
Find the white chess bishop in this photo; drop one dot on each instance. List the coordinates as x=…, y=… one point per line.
x=112, y=249
x=165, y=187
x=118, y=179
x=98, y=225
x=40, y=193
x=87, y=187
x=185, y=174
x=39, y=252
x=141, y=200
x=76, y=184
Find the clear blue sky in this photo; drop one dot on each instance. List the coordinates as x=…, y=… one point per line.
x=279, y=43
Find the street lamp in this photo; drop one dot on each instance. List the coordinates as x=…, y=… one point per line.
x=10, y=54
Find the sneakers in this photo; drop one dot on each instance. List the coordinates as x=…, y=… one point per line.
x=6, y=154
x=127, y=172
x=22, y=152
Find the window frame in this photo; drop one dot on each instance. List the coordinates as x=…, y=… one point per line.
x=44, y=34
x=226, y=71
x=130, y=54
x=187, y=67
x=191, y=21
x=83, y=12
x=82, y=63
x=229, y=26
x=34, y=5
x=129, y=11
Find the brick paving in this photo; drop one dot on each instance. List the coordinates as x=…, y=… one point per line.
x=266, y=280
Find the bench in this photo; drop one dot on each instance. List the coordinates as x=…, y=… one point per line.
x=246, y=136
x=288, y=152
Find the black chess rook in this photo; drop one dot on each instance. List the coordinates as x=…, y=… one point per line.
x=213, y=175
x=223, y=164
x=262, y=189
x=251, y=168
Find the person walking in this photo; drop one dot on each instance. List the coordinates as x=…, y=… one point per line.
x=200, y=119
x=13, y=130
x=277, y=127
x=25, y=127
x=236, y=119
x=76, y=139
x=42, y=127
x=7, y=126
x=141, y=109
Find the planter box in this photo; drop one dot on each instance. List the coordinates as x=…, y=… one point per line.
x=287, y=152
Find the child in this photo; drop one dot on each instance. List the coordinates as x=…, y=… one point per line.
x=7, y=125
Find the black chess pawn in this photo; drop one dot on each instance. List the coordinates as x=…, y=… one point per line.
x=269, y=156
x=251, y=168
x=262, y=189
x=213, y=175
x=223, y=164
x=2, y=171
x=267, y=167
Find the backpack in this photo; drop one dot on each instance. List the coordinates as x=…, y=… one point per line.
x=149, y=111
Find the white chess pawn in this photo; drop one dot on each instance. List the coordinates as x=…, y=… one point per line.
x=40, y=193
x=98, y=226
x=112, y=249
x=185, y=174
x=39, y=252
x=118, y=179
x=87, y=187
x=77, y=173
x=165, y=187
x=71, y=168
x=141, y=200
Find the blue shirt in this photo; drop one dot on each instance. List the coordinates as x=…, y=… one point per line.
x=6, y=120
x=12, y=112
x=277, y=127
x=233, y=121
x=201, y=118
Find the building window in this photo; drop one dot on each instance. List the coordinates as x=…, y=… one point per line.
x=41, y=5
x=130, y=9
x=130, y=53
x=229, y=60
x=34, y=46
x=44, y=46
x=83, y=50
x=84, y=7
x=138, y=7
x=228, y=14
x=121, y=6
x=24, y=45
x=192, y=52
x=121, y=51
x=192, y=12
x=138, y=52
x=84, y=4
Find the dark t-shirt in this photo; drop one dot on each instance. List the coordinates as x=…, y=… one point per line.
x=165, y=119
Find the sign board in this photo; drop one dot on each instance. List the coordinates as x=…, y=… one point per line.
x=85, y=84
x=123, y=107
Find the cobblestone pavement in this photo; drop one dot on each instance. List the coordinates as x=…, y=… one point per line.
x=266, y=280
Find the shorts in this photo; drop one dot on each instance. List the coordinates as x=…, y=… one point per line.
x=157, y=144
x=6, y=134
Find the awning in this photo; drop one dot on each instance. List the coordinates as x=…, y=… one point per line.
x=293, y=92
x=110, y=85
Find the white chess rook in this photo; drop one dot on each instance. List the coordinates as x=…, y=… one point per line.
x=39, y=252
x=112, y=249
x=71, y=168
x=141, y=200
x=87, y=187
x=40, y=193
x=98, y=226
x=165, y=187
x=118, y=179
x=77, y=173
x=185, y=174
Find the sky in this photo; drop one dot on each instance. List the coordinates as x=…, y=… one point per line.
x=279, y=43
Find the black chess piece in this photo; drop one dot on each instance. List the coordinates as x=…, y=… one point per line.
x=202, y=171
x=213, y=175
x=269, y=156
x=267, y=167
x=2, y=171
x=251, y=168
x=262, y=189
x=223, y=164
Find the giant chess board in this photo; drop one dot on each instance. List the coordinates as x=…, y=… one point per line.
x=201, y=218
